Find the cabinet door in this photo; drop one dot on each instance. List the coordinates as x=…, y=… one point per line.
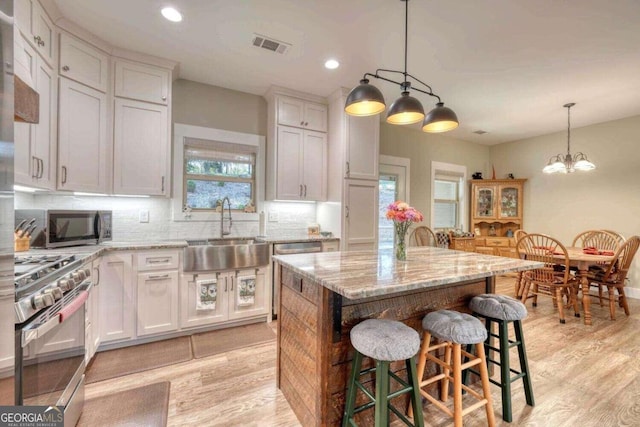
x=25, y=161
x=193, y=314
x=484, y=205
x=24, y=19
x=290, y=111
x=247, y=293
x=314, y=166
x=141, y=82
x=360, y=215
x=141, y=148
x=44, y=33
x=288, y=164
x=157, y=302
x=82, y=145
x=362, y=149
x=510, y=202
x=44, y=135
x=116, y=298
x=95, y=306
x=315, y=117
x=83, y=63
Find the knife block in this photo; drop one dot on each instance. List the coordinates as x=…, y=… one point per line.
x=21, y=244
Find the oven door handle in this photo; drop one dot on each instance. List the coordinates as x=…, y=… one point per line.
x=29, y=335
x=74, y=306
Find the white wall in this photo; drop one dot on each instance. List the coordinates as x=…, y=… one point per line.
x=292, y=221
x=564, y=205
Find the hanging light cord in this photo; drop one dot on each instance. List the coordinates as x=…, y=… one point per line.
x=406, y=36
x=569, y=130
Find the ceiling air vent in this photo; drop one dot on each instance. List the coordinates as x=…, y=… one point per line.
x=480, y=132
x=270, y=44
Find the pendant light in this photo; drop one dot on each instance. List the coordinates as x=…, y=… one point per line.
x=366, y=100
x=566, y=163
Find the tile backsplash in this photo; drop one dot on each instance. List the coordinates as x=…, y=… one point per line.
x=288, y=219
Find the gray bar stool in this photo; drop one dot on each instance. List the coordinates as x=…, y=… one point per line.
x=455, y=329
x=385, y=341
x=502, y=310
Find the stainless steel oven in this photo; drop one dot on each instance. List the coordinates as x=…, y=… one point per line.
x=58, y=228
x=51, y=293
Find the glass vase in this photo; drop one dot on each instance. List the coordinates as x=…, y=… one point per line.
x=401, y=247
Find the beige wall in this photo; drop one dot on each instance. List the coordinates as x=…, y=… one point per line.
x=216, y=107
x=563, y=206
x=422, y=149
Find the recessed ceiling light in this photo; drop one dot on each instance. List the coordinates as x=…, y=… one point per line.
x=331, y=64
x=171, y=14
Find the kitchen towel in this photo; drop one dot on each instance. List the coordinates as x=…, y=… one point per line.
x=246, y=290
x=207, y=294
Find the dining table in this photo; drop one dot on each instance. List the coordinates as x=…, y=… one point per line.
x=582, y=261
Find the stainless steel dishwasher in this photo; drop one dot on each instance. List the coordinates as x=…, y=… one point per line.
x=288, y=249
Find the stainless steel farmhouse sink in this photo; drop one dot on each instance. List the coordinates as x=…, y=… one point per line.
x=224, y=254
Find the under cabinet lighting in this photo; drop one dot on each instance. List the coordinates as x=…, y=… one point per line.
x=171, y=14
x=24, y=189
x=80, y=193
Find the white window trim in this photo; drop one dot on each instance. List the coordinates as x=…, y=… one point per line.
x=182, y=131
x=403, y=162
x=450, y=168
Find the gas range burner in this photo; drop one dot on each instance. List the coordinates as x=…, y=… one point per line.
x=31, y=268
x=37, y=259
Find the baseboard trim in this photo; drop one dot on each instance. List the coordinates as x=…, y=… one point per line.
x=632, y=292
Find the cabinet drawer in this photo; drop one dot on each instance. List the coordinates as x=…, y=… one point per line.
x=469, y=245
x=496, y=242
x=485, y=250
x=158, y=261
x=83, y=63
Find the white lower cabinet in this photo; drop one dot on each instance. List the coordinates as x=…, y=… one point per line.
x=116, y=303
x=206, y=299
x=157, y=307
x=359, y=226
x=92, y=307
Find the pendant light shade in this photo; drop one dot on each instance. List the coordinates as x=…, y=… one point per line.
x=568, y=163
x=367, y=100
x=440, y=119
x=364, y=100
x=405, y=110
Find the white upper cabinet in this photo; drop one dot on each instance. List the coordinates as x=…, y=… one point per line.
x=141, y=82
x=35, y=144
x=362, y=147
x=302, y=114
x=36, y=27
x=83, y=63
x=83, y=146
x=141, y=148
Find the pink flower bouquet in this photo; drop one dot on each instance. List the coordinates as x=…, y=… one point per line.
x=402, y=216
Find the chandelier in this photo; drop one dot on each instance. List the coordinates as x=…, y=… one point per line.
x=566, y=163
x=367, y=100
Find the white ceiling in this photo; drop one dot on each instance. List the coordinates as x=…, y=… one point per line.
x=504, y=66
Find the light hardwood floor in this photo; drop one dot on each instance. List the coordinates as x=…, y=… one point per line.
x=582, y=376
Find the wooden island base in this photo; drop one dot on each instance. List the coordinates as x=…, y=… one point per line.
x=314, y=350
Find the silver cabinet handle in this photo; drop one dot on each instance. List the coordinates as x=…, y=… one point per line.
x=164, y=98
x=41, y=168
x=65, y=68
x=157, y=277
x=347, y=210
x=64, y=174
x=300, y=190
x=231, y=279
x=305, y=190
x=37, y=167
x=159, y=261
x=225, y=284
x=97, y=281
x=348, y=169
x=37, y=39
x=162, y=190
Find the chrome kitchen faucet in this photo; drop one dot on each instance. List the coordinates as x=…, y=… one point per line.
x=222, y=232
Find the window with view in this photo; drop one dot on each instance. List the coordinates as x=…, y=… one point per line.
x=213, y=171
x=446, y=203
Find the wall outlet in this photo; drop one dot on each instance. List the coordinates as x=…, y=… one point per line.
x=144, y=216
x=273, y=216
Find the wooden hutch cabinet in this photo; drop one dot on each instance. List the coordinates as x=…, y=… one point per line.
x=496, y=212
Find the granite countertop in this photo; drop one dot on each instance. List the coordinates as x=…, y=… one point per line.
x=363, y=274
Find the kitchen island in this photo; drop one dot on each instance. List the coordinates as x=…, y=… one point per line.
x=324, y=295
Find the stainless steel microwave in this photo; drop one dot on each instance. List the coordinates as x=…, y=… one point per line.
x=60, y=228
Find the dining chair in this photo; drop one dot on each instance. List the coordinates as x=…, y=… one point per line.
x=423, y=236
x=603, y=240
x=547, y=280
x=613, y=277
x=517, y=235
x=620, y=237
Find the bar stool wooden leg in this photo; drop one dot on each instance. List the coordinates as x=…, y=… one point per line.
x=486, y=389
x=422, y=356
x=457, y=384
x=524, y=365
x=505, y=371
x=382, y=393
x=444, y=383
